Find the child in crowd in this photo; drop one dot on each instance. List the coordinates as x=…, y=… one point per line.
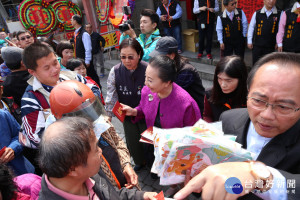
x=78, y=65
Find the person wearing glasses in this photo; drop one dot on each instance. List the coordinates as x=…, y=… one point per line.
x=229, y=88
x=270, y=128
x=124, y=84
x=25, y=38
x=231, y=29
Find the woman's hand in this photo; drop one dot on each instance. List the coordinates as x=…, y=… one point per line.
x=131, y=176
x=8, y=155
x=128, y=110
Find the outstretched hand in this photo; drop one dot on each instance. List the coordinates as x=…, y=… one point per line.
x=211, y=181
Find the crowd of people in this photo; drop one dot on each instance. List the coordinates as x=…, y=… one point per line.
x=56, y=136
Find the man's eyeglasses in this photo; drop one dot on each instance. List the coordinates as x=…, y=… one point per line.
x=129, y=57
x=26, y=37
x=279, y=109
x=233, y=4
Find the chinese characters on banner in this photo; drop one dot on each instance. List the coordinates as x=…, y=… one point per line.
x=111, y=39
x=41, y=18
x=250, y=6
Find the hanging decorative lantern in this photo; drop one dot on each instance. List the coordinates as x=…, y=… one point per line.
x=102, y=9
x=37, y=16
x=64, y=11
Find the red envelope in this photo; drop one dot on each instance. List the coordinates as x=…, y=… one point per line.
x=117, y=110
x=2, y=151
x=160, y=196
x=148, y=134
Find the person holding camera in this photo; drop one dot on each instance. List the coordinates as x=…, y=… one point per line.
x=150, y=32
x=170, y=12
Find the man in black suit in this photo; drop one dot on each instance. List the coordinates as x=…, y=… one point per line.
x=270, y=128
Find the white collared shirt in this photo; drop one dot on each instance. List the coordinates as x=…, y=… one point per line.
x=219, y=27
x=253, y=22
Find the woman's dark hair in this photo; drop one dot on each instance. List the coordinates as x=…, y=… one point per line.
x=166, y=68
x=74, y=63
x=180, y=61
x=133, y=43
x=234, y=67
x=7, y=185
x=62, y=46
x=48, y=41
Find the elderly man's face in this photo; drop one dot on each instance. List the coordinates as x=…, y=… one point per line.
x=94, y=159
x=276, y=86
x=89, y=28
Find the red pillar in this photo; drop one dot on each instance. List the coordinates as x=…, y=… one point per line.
x=90, y=13
x=189, y=9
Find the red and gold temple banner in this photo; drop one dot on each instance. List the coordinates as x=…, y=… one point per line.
x=250, y=6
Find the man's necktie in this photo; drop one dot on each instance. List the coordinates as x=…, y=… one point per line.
x=231, y=16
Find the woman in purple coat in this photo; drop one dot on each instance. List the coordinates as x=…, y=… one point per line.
x=163, y=103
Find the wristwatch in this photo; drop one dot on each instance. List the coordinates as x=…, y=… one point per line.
x=260, y=172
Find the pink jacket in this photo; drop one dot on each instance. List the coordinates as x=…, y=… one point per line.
x=178, y=110
x=29, y=184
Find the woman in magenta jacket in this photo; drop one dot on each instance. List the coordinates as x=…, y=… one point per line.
x=163, y=103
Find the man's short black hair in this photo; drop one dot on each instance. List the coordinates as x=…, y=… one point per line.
x=282, y=59
x=152, y=14
x=34, y=52
x=21, y=32
x=89, y=24
x=77, y=18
